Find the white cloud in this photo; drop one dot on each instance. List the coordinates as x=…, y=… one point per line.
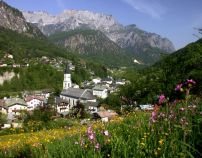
x=149, y=7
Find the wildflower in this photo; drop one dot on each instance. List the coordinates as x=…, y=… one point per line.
x=162, y=98
x=153, y=117
x=158, y=149
x=106, y=133
x=190, y=82
x=97, y=146
x=155, y=152
x=90, y=133
x=161, y=141
x=76, y=142
x=179, y=87
x=200, y=113
x=91, y=136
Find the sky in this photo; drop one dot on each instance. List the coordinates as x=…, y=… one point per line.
x=176, y=20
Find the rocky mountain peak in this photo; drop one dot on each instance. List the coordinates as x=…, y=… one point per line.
x=13, y=19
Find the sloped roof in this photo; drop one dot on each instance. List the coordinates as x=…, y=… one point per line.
x=13, y=101
x=31, y=97
x=78, y=93
x=60, y=100
x=93, y=104
x=99, y=88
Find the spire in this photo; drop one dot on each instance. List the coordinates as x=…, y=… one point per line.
x=67, y=70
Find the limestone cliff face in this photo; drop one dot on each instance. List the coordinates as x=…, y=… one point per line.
x=13, y=19
x=7, y=76
x=124, y=36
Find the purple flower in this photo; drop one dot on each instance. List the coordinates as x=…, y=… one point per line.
x=191, y=81
x=97, y=146
x=162, y=99
x=89, y=130
x=179, y=87
x=153, y=117
x=91, y=136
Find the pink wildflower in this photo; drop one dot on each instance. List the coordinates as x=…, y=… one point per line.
x=162, y=99
x=153, y=117
x=97, y=146
x=179, y=87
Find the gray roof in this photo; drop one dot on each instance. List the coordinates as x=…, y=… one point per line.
x=14, y=101
x=94, y=104
x=106, y=79
x=99, y=88
x=60, y=100
x=77, y=93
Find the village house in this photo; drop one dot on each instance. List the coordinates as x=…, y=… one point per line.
x=104, y=115
x=16, y=65
x=3, y=65
x=9, y=56
x=96, y=80
x=107, y=80
x=46, y=93
x=15, y=106
x=100, y=91
x=62, y=106
x=3, y=109
x=120, y=82
x=92, y=107
x=34, y=102
x=73, y=95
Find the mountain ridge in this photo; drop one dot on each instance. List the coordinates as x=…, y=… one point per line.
x=12, y=18
x=127, y=37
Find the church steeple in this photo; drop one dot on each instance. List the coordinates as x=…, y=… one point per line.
x=67, y=78
x=67, y=70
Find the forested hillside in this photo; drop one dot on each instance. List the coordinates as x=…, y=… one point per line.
x=162, y=77
x=93, y=46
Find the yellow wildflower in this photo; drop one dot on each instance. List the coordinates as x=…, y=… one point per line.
x=161, y=141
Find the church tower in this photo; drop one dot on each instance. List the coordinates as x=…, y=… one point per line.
x=67, y=78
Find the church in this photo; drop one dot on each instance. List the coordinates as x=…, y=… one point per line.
x=73, y=95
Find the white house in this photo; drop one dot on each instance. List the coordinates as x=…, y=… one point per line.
x=62, y=106
x=34, y=101
x=73, y=95
x=7, y=55
x=92, y=107
x=100, y=91
x=96, y=80
x=120, y=82
x=107, y=80
x=15, y=105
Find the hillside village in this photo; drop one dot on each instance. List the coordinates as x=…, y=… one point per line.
x=71, y=95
